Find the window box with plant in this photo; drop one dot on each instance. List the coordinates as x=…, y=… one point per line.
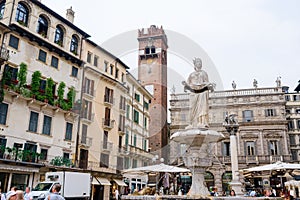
x=59, y=42
x=74, y=52
x=21, y=22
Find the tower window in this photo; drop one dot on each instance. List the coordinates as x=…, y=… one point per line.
x=147, y=50
x=153, y=49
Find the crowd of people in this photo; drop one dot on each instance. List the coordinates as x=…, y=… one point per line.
x=15, y=194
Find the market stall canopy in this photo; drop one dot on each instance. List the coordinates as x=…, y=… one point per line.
x=156, y=168
x=273, y=167
x=292, y=183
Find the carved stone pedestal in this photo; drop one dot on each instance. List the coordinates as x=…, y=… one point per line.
x=198, y=156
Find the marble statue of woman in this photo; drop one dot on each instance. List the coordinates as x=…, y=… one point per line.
x=199, y=85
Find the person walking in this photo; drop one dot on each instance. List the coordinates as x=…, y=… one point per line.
x=117, y=194
x=2, y=196
x=54, y=195
x=27, y=195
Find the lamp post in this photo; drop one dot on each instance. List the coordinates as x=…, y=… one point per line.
x=231, y=125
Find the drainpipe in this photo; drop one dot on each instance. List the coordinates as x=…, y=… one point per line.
x=12, y=10
x=80, y=109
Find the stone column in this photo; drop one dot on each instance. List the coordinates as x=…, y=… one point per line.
x=232, y=127
x=235, y=184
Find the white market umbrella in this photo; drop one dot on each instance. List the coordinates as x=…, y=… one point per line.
x=156, y=168
x=273, y=167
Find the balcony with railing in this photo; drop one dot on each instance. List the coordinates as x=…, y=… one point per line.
x=228, y=93
x=95, y=166
x=88, y=92
x=88, y=117
x=138, y=152
x=106, y=146
x=108, y=100
x=108, y=123
x=256, y=159
x=4, y=54
x=85, y=141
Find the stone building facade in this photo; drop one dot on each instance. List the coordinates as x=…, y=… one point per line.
x=293, y=119
x=136, y=142
x=262, y=137
x=40, y=79
x=152, y=72
x=75, y=121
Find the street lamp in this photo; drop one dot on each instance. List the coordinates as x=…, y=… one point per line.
x=231, y=125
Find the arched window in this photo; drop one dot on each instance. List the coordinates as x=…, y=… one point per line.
x=152, y=49
x=226, y=179
x=42, y=27
x=22, y=14
x=59, y=36
x=74, y=44
x=2, y=7
x=209, y=180
x=147, y=50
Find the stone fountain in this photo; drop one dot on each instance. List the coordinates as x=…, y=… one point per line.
x=197, y=136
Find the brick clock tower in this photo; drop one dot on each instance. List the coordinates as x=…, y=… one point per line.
x=152, y=73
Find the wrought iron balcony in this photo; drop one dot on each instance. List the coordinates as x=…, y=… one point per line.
x=85, y=141
x=4, y=54
x=108, y=123
x=106, y=146
x=108, y=100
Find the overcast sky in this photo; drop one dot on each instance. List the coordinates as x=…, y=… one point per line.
x=245, y=39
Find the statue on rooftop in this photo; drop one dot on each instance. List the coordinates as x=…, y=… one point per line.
x=278, y=81
x=255, y=83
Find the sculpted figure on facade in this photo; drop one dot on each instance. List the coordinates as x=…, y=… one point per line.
x=255, y=83
x=199, y=86
x=278, y=81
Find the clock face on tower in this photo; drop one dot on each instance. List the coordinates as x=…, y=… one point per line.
x=150, y=64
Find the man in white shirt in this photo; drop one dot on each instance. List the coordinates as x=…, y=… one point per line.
x=27, y=195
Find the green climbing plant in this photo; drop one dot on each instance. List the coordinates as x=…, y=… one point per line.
x=22, y=74
x=49, y=91
x=35, y=83
x=71, y=97
x=60, y=94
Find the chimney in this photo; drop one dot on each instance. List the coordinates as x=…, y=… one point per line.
x=70, y=15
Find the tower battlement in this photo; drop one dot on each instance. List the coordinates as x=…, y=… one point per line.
x=152, y=31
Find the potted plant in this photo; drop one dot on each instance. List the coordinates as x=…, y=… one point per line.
x=2, y=151
x=49, y=91
x=59, y=42
x=35, y=83
x=9, y=151
x=6, y=77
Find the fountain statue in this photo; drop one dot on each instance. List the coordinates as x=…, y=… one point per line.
x=197, y=135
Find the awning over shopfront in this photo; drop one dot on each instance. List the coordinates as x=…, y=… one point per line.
x=100, y=181
x=273, y=167
x=18, y=168
x=120, y=182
